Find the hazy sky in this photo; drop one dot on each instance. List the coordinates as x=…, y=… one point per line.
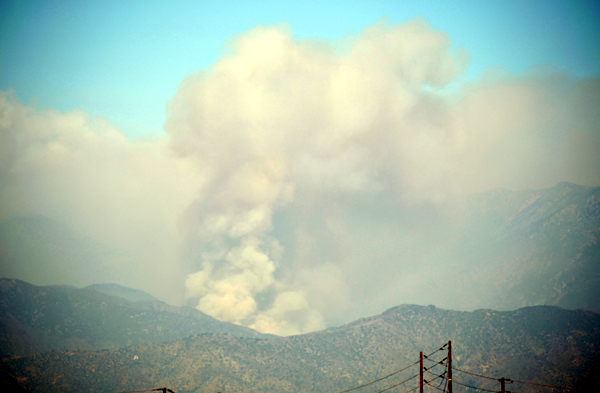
x=274, y=164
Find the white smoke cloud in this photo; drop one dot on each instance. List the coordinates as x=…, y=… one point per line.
x=83, y=172
x=232, y=297
x=298, y=184
x=278, y=115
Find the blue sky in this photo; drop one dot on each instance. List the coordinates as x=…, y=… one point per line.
x=123, y=60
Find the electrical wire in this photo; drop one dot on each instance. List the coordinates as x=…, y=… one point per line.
x=442, y=375
x=432, y=373
x=438, y=387
x=398, y=384
x=446, y=380
x=441, y=362
x=474, y=387
x=538, y=384
x=147, y=390
x=380, y=379
x=437, y=375
x=412, y=390
x=512, y=380
x=477, y=375
x=436, y=363
x=434, y=367
x=437, y=350
x=428, y=383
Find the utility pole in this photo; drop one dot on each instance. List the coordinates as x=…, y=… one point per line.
x=449, y=366
x=503, y=385
x=421, y=372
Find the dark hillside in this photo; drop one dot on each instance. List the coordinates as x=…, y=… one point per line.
x=37, y=319
x=537, y=344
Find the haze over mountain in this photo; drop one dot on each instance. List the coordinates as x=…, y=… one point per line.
x=133, y=295
x=43, y=251
x=499, y=249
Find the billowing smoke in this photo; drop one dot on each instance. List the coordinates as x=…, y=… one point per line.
x=277, y=115
x=301, y=182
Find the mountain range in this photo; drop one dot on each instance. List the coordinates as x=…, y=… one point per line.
x=541, y=344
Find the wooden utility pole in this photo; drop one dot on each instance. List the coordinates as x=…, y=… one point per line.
x=421, y=372
x=449, y=366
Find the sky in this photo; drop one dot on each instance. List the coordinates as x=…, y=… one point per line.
x=271, y=164
x=123, y=61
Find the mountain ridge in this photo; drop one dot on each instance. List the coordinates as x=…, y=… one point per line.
x=543, y=344
x=131, y=294
x=36, y=319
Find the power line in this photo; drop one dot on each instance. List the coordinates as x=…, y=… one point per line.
x=475, y=387
x=380, y=379
x=539, y=384
x=436, y=375
x=429, y=383
x=437, y=362
x=148, y=390
x=477, y=375
x=445, y=379
x=433, y=360
x=136, y=391
x=512, y=380
x=412, y=390
x=400, y=383
x=438, y=387
x=437, y=350
x=442, y=375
